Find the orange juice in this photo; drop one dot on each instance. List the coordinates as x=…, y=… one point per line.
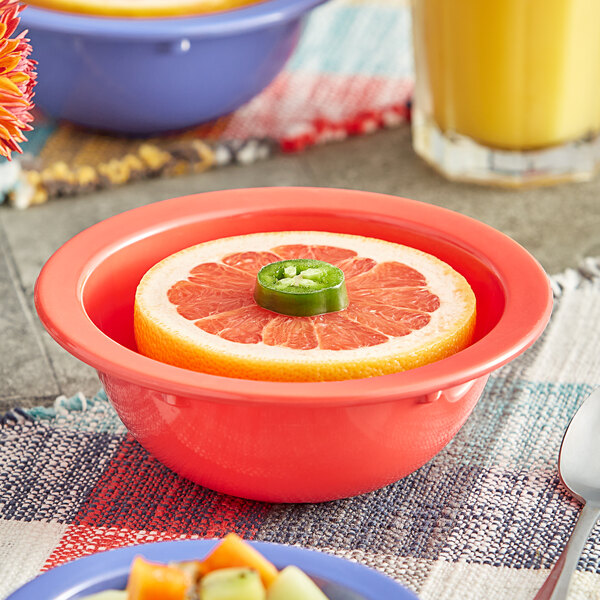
x=510, y=74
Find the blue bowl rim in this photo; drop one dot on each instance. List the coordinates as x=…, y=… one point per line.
x=263, y=14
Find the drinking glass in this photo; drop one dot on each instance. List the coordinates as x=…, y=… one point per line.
x=507, y=92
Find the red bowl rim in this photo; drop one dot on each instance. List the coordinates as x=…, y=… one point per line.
x=59, y=291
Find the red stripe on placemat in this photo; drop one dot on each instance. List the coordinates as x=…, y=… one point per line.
x=81, y=540
x=300, y=103
x=137, y=499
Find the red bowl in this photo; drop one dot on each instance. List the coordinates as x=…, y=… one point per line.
x=276, y=441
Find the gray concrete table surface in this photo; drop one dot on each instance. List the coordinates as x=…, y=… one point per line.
x=558, y=225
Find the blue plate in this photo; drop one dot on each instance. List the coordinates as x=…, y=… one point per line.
x=339, y=579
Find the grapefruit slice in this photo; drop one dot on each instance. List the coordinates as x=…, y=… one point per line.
x=140, y=8
x=196, y=310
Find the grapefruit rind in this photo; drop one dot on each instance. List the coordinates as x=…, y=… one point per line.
x=163, y=334
x=141, y=9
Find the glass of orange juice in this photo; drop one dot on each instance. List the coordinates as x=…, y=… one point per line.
x=508, y=91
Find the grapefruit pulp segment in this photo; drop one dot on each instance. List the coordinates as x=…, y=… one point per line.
x=196, y=302
x=388, y=275
x=338, y=332
x=251, y=262
x=244, y=325
x=291, y=332
x=355, y=266
x=223, y=275
x=329, y=254
x=406, y=308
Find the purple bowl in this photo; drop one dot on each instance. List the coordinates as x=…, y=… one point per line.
x=148, y=76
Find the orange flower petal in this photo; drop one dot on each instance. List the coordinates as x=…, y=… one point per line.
x=17, y=79
x=4, y=133
x=9, y=46
x=9, y=62
x=7, y=84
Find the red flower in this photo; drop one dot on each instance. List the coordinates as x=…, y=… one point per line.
x=17, y=79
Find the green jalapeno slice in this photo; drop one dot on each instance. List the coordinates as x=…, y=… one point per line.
x=301, y=287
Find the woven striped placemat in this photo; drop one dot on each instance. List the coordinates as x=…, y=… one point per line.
x=350, y=75
x=485, y=519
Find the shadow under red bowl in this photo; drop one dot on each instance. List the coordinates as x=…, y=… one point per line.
x=276, y=441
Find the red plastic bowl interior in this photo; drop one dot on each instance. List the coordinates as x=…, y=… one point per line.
x=276, y=441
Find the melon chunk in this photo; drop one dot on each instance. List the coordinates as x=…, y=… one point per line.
x=233, y=551
x=232, y=584
x=151, y=581
x=294, y=584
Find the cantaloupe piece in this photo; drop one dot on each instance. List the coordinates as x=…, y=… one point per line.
x=233, y=551
x=150, y=581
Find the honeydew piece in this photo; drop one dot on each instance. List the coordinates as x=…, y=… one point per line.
x=294, y=584
x=235, y=583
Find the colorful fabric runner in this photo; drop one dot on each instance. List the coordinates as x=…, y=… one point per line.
x=485, y=519
x=350, y=75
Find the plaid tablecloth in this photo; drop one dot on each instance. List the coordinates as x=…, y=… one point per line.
x=483, y=520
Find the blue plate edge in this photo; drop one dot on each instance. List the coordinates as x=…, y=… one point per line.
x=66, y=580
